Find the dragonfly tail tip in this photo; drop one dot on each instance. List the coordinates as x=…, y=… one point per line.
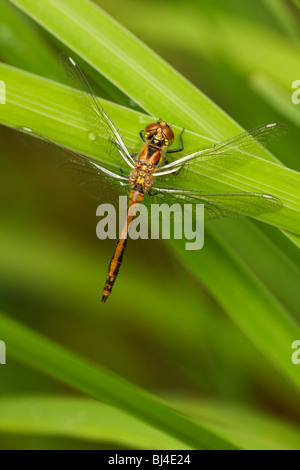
x=104, y=298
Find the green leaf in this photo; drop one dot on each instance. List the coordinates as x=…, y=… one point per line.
x=269, y=259
x=51, y=112
x=247, y=427
x=85, y=419
x=43, y=261
x=225, y=270
x=22, y=44
x=80, y=418
x=276, y=97
x=246, y=300
x=136, y=70
x=31, y=348
x=284, y=17
x=295, y=238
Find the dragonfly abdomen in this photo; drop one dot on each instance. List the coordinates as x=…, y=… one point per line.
x=114, y=267
x=135, y=198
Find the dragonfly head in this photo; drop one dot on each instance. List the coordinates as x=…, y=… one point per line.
x=159, y=133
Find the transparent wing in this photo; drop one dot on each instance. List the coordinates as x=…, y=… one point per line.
x=98, y=122
x=228, y=154
x=83, y=171
x=218, y=204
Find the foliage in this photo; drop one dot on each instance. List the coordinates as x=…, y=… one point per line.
x=178, y=345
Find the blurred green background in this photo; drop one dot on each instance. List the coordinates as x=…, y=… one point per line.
x=162, y=329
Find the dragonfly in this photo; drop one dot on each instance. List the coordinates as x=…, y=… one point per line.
x=149, y=175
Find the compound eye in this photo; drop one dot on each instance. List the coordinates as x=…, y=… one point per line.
x=150, y=130
x=169, y=135
x=153, y=126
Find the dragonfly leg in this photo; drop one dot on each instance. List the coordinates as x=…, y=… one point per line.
x=182, y=145
x=142, y=135
x=175, y=173
x=152, y=193
x=123, y=173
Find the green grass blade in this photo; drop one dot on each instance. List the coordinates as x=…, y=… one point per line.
x=224, y=269
x=277, y=98
x=42, y=263
x=240, y=48
x=85, y=419
x=273, y=255
x=22, y=44
x=129, y=64
x=31, y=348
x=294, y=238
x=246, y=300
x=52, y=113
x=81, y=419
x=284, y=17
x=156, y=86
x=247, y=427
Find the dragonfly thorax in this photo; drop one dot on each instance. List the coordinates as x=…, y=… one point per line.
x=142, y=175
